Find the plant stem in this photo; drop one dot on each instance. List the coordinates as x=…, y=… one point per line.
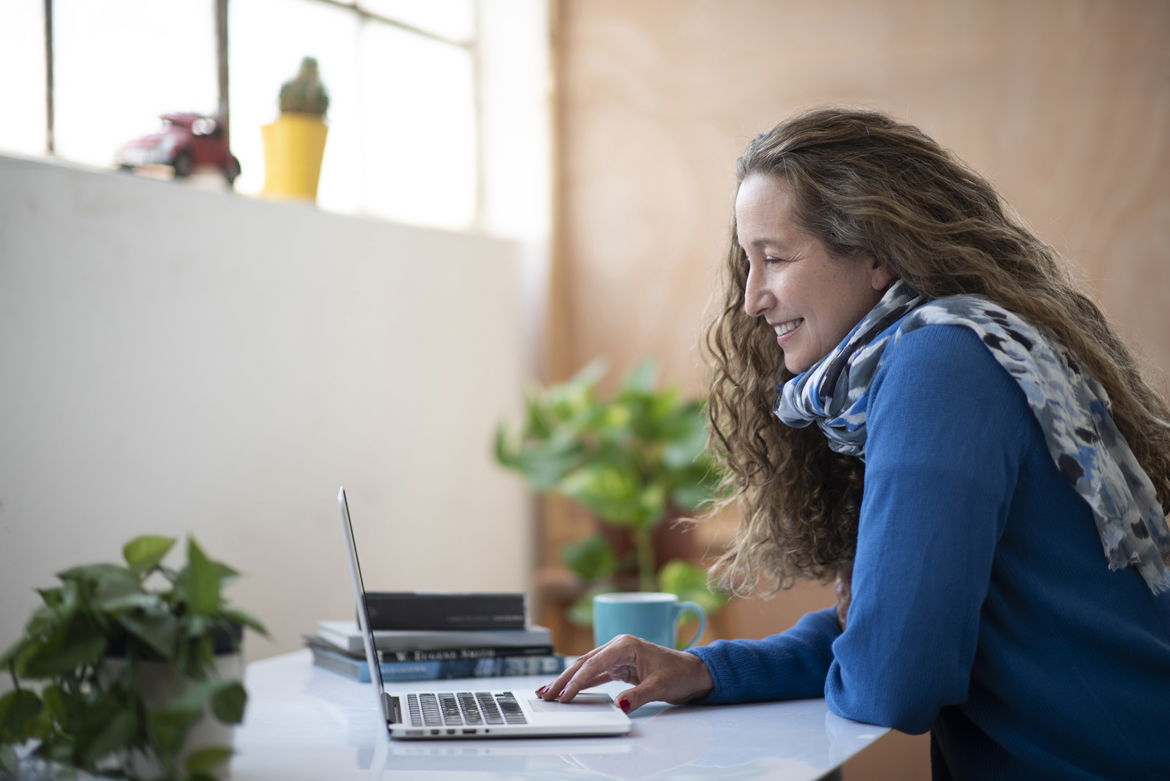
x=644, y=549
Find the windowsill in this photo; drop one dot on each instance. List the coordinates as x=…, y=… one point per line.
x=211, y=181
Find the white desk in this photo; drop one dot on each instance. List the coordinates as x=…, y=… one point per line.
x=306, y=723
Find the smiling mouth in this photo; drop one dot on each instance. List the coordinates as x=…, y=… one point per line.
x=787, y=327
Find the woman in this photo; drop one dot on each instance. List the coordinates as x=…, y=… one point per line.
x=981, y=437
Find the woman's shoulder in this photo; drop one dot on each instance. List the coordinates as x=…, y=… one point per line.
x=938, y=386
x=946, y=358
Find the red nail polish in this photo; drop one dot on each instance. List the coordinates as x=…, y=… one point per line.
x=624, y=704
x=540, y=692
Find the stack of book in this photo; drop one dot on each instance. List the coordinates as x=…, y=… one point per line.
x=433, y=635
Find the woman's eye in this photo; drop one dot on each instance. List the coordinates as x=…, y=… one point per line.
x=771, y=260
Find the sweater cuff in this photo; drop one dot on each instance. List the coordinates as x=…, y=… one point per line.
x=790, y=665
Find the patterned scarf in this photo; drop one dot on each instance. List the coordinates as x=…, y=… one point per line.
x=1072, y=408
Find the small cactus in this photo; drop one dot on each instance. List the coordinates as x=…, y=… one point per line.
x=304, y=94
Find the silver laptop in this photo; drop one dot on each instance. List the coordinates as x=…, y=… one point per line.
x=469, y=711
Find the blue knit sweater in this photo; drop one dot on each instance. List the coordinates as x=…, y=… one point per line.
x=983, y=609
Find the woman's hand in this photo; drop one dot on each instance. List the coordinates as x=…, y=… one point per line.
x=658, y=673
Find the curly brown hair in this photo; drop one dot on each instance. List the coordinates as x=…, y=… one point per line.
x=865, y=183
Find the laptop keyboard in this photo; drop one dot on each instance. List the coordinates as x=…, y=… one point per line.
x=458, y=709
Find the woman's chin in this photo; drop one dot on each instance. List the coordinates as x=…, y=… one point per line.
x=795, y=365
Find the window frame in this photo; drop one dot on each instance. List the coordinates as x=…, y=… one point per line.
x=222, y=33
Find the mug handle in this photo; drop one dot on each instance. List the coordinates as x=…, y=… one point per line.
x=697, y=610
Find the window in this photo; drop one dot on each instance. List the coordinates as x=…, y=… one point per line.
x=22, y=51
x=167, y=51
x=413, y=134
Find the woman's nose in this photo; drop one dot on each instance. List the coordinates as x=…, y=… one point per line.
x=756, y=298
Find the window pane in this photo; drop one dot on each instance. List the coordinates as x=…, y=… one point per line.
x=121, y=63
x=419, y=128
x=22, y=51
x=453, y=19
x=267, y=41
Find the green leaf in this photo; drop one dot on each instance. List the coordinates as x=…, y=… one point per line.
x=247, y=619
x=196, y=656
x=60, y=750
x=228, y=701
x=226, y=573
x=94, y=572
x=591, y=373
x=545, y=468
x=77, y=641
x=690, y=583
x=18, y=710
x=691, y=497
x=193, y=697
x=591, y=558
x=652, y=504
x=688, y=442
x=100, y=583
x=208, y=759
x=643, y=378
x=9, y=656
x=139, y=600
x=116, y=587
x=51, y=596
x=608, y=490
x=158, y=628
x=57, y=704
x=198, y=626
x=536, y=421
x=146, y=552
x=116, y=734
x=9, y=760
x=168, y=727
x=202, y=580
x=580, y=613
x=97, y=581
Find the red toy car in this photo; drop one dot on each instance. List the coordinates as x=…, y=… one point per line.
x=183, y=142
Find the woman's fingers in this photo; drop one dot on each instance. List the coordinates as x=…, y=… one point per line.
x=589, y=670
x=657, y=673
x=550, y=691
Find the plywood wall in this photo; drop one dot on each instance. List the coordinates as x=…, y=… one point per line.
x=1063, y=104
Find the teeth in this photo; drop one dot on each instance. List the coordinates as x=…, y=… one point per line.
x=784, y=328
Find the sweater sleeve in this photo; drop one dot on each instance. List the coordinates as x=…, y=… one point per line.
x=946, y=429
x=787, y=666
x=944, y=440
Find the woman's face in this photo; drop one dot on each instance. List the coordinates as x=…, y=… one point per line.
x=809, y=298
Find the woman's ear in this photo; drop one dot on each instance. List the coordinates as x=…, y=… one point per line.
x=880, y=276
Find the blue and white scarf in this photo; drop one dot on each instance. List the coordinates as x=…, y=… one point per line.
x=1072, y=408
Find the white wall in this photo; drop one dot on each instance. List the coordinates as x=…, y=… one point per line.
x=178, y=360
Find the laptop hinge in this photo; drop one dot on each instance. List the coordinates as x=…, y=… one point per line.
x=393, y=709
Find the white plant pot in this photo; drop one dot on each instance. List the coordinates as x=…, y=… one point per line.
x=158, y=683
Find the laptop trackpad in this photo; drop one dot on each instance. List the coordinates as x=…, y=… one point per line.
x=584, y=702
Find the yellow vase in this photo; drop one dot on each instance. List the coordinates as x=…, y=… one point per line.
x=293, y=147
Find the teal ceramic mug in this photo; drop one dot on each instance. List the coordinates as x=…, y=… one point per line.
x=650, y=615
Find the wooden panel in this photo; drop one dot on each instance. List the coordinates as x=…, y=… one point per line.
x=1064, y=105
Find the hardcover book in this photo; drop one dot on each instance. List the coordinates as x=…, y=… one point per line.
x=345, y=635
x=434, y=654
x=491, y=667
x=428, y=610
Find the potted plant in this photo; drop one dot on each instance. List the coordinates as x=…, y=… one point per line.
x=294, y=144
x=128, y=670
x=635, y=461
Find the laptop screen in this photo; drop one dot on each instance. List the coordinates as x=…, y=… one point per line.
x=359, y=588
